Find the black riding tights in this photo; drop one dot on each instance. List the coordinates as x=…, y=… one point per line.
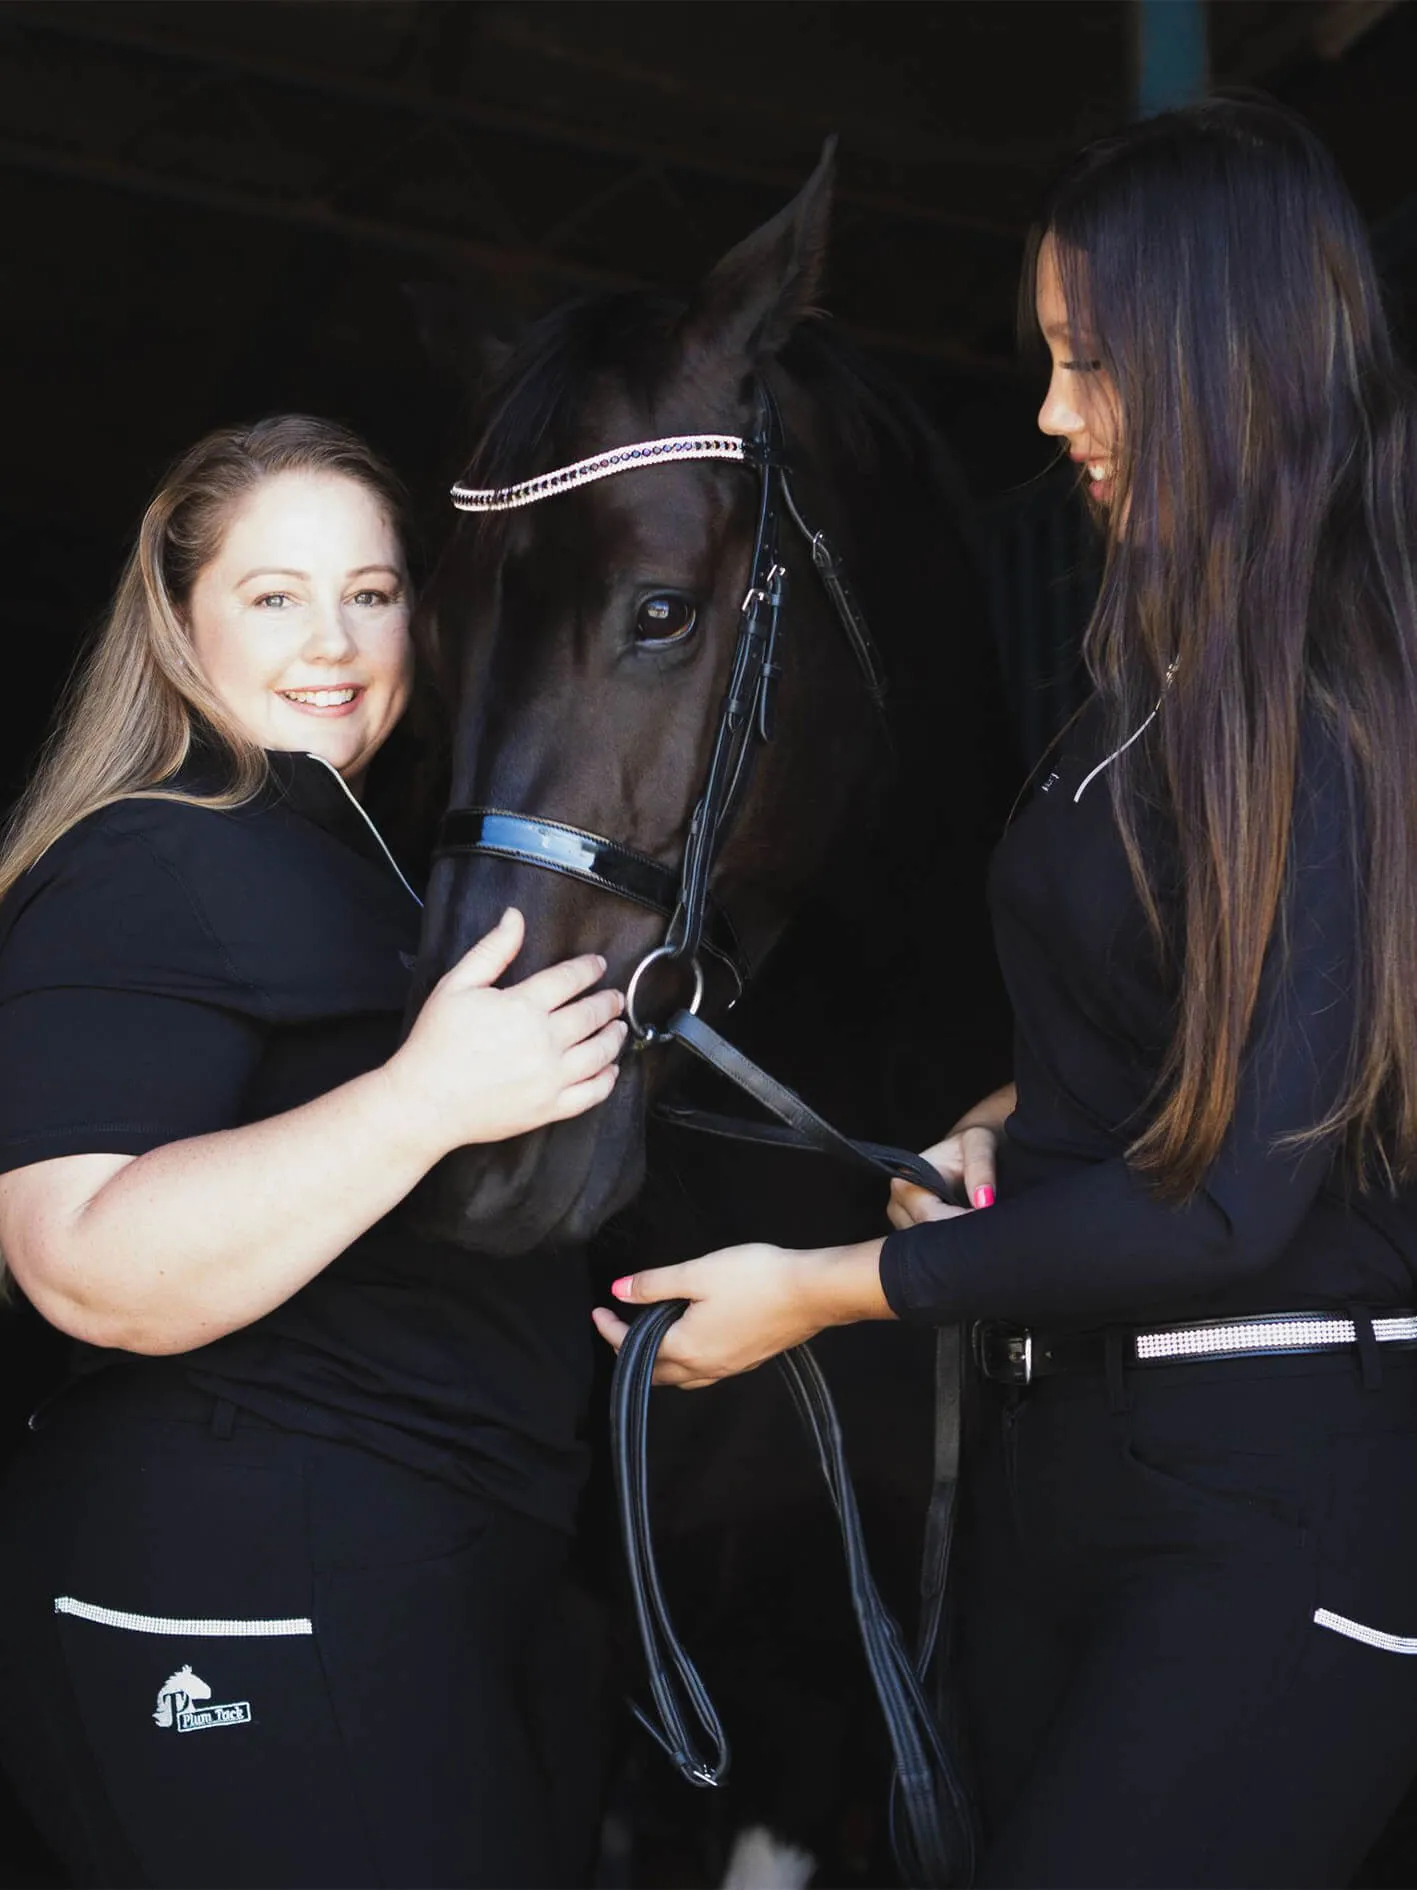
x=233, y=1656
x=1188, y=1622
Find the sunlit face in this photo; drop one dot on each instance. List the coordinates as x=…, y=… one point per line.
x=300, y=621
x=1081, y=405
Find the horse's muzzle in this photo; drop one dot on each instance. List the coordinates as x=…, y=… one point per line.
x=553, y=1188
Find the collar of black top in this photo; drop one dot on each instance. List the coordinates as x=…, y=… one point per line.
x=302, y=783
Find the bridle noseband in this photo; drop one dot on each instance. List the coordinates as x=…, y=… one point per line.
x=747, y=717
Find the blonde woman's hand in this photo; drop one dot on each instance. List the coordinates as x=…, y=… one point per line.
x=965, y=1157
x=481, y=1064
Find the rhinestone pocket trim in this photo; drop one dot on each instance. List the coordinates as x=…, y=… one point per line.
x=601, y=466
x=165, y=1624
x=1370, y=1636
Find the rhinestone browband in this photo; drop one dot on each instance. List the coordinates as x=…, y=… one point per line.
x=619, y=459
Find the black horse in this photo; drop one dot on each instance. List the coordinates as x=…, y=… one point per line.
x=586, y=640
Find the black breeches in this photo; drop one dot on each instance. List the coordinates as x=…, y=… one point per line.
x=234, y=1656
x=1188, y=1622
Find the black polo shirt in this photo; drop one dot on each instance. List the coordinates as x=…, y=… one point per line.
x=169, y=970
x=1077, y=1235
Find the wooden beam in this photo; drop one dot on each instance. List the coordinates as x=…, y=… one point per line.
x=456, y=253
x=105, y=26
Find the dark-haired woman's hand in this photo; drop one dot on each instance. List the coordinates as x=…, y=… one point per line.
x=482, y=1064
x=965, y=1157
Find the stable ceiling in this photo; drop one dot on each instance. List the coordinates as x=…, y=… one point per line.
x=216, y=209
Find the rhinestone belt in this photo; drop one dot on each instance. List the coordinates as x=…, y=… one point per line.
x=1016, y=1355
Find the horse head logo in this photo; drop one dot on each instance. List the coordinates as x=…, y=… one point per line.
x=177, y=1693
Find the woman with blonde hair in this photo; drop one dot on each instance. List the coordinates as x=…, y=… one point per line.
x=279, y=1554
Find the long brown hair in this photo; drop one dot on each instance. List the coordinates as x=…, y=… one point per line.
x=1259, y=550
x=128, y=717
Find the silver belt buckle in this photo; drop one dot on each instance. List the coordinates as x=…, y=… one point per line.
x=1006, y=1357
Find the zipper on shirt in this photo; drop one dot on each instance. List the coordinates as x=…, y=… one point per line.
x=1135, y=736
x=354, y=802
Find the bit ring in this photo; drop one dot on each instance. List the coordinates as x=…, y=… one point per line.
x=647, y=1033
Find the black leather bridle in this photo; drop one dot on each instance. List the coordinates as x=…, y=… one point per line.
x=747, y=720
x=935, y=1835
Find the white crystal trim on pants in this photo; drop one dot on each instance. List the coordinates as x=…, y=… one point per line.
x=1370, y=1636
x=162, y=1624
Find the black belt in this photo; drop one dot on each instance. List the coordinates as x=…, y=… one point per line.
x=1016, y=1355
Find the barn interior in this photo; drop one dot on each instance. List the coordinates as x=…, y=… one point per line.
x=221, y=210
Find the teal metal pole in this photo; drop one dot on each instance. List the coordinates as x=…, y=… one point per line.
x=1171, y=54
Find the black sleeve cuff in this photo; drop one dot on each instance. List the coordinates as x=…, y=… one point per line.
x=911, y=1287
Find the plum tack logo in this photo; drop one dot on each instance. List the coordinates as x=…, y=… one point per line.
x=178, y=1704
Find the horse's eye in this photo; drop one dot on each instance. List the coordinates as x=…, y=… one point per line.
x=664, y=620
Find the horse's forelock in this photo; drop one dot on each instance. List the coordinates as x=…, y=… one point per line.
x=533, y=413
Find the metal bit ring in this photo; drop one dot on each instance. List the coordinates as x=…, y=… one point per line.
x=646, y=1033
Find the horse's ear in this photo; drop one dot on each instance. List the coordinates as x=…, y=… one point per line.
x=753, y=299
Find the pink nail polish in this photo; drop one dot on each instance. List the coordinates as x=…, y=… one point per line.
x=621, y=1288
x=984, y=1197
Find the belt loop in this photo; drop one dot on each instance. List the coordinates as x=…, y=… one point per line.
x=1115, y=1353
x=1369, y=1357
x=223, y=1418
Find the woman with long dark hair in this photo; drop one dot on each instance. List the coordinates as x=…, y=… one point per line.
x=1188, y=1595
x=282, y=1557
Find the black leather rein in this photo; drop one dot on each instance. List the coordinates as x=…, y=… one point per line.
x=934, y=1835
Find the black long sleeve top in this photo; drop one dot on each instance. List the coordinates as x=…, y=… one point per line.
x=1078, y=1236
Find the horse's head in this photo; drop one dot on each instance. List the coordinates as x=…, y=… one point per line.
x=588, y=639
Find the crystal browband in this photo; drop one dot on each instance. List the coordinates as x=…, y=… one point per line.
x=601, y=466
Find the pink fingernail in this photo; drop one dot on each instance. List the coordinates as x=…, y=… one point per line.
x=984, y=1197
x=621, y=1288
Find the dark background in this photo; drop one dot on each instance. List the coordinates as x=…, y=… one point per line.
x=222, y=208
x=219, y=209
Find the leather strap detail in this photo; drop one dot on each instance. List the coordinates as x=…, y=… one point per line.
x=1014, y=1355
x=832, y=572
x=561, y=849
x=935, y=1832
x=686, y=1716
x=572, y=851
x=803, y=1127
